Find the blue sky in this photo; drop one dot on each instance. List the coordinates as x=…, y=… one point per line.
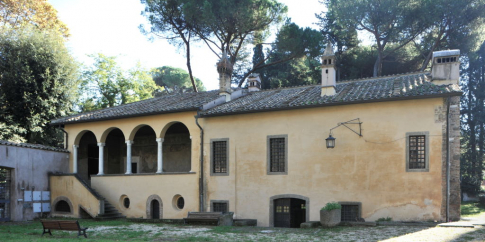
x=111, y=27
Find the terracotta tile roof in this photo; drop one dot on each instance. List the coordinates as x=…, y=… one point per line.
x=32, y=146
x=414, y=85
x=405, y=86
x=164, y=104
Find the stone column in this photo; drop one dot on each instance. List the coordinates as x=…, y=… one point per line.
x=74, y=158
x=160, y=155
x=128, y=156
x=101, y=158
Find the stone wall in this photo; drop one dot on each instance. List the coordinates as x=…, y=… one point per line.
x=454, y=155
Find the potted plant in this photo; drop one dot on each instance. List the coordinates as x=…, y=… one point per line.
x=330, y=214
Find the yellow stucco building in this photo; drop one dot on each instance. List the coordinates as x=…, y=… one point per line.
x=263, y=154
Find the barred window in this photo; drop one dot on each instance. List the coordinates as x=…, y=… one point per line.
x=219, y=157
x=350, y=213
x=277, y=157
x=277, y=154
x=417, y=151
x=220, y=207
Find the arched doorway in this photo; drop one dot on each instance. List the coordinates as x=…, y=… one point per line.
x=288, y=210
x=155, y=208
x=115, y=152
x=144, y=151
x=88, y=156
x=177, y=149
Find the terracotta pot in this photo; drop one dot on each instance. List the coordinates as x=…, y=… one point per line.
x=330, y=218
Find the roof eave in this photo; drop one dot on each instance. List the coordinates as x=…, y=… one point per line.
x=338, y=104
x=124, y=116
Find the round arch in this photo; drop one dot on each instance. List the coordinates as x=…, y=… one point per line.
x=168, y=125
x=271, y=205
x=80, y=135
x=138, y=127
x=62, y=199
x=149, y=207
x=106, y=133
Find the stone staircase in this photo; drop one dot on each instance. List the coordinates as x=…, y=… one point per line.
x=110, y=212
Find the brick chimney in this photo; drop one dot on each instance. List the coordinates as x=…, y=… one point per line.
x=254, y=82
x=328, y=72
x=224, y=68
x=445, y=69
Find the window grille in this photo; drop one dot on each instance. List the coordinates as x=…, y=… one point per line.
x=277, y=155
x=220, y=207
x=417, y=152
x=350, y=213
x=219, y=156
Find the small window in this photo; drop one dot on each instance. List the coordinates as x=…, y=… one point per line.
x=438, y=60
x=126, y=202
x=330, y=61
x=180, y=203
x=417, y=157
x=326, y=71
x=219, y=157
x=63, y=206
x=277, y=154
x=324, y=62
x=351, y=211
x=220, y=207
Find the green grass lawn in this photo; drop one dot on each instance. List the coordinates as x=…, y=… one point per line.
x=472, y=209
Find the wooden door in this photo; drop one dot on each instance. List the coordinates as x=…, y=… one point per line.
x=282, y=212
x=155, y=207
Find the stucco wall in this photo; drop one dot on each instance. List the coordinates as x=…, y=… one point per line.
x=369, y=169
x=29, y=171
x=138, y=188
x=69, y=189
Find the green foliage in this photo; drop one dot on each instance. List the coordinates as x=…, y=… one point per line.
x=472, y=209
x=172, y=78
x=332, y=206
x=105, y=84
x=386, y=219
x=223, y=25
x=38, y=82
x=294, y=58
x=473, y=122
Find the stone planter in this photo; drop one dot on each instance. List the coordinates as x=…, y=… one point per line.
x=330, y=218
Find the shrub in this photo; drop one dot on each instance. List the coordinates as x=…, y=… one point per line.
x=388, y=219
x=332, y=206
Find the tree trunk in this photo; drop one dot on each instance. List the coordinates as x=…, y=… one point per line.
x=189, y=67
x=378, y=65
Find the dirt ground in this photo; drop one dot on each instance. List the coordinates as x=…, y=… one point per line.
x=380, y=233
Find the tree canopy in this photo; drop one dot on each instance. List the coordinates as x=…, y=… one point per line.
x=104, y=84
x=38, y=82
x=38, y=13
x=173, y=79
x=222, y=25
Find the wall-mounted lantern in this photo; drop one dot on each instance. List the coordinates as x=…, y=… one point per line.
x=331, y=140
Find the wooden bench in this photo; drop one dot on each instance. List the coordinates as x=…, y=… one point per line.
x=203, y=217
x=63, y=225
